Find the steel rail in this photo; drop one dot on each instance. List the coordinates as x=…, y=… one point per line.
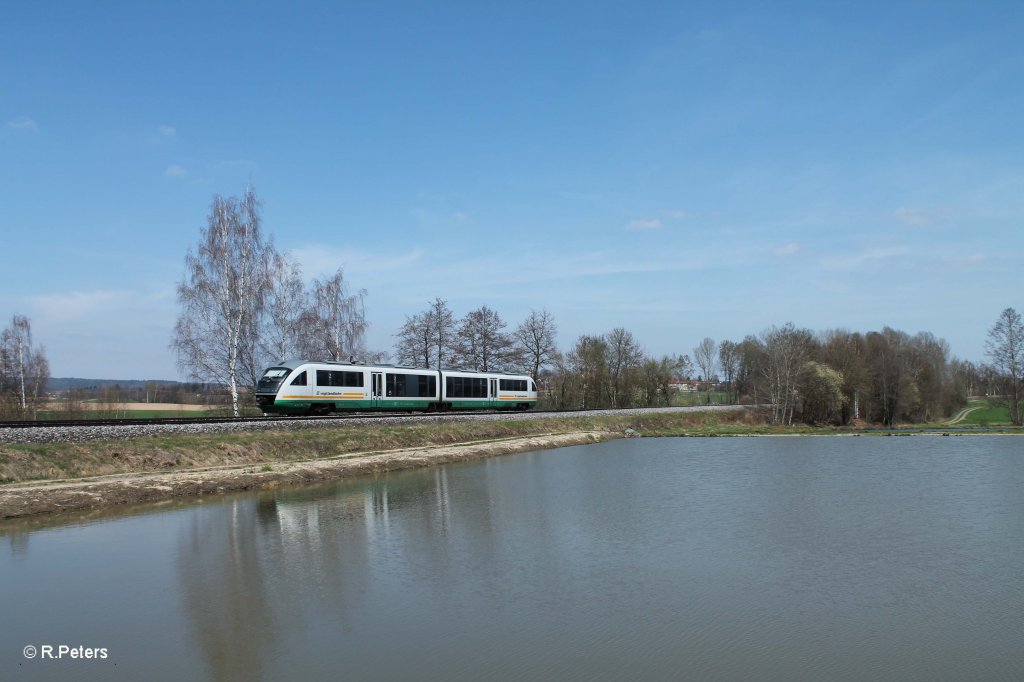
x=187, y=421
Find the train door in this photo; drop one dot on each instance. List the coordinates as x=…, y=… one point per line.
x=376, y=388
x=493, y=392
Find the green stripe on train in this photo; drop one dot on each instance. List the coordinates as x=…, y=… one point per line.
x=300, y=406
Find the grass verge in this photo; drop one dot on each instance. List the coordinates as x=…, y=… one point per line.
x=166, y=454
x=54, y=461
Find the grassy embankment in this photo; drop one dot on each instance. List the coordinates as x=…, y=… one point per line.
x=183, y=452
x=261, y=449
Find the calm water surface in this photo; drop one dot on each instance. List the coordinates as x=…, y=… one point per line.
x=710, y=559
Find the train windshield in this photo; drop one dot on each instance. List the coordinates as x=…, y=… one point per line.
x=275, y=373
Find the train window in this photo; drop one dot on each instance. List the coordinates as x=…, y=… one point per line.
x=276, y=373
x=396, y=385
x=299, y=380
x=512, y=384
x=414, y=386
x=465, y=387
x=328, y=377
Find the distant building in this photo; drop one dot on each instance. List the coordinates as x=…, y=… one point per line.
x=693, y=385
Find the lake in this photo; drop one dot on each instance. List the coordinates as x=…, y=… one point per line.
x=771, y=558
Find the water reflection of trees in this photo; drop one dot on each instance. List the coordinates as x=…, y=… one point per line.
x=258, y=572
x=332, y=570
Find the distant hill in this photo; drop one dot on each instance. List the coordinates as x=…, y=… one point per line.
x=69, y=383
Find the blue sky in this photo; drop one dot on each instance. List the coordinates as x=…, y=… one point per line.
x=679, y=169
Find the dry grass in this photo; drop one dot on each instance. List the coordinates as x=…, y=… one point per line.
x=178, y=453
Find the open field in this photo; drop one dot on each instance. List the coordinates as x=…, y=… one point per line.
x=89, y=409
x=692, y=398
x=92, y=405
x=982, y=412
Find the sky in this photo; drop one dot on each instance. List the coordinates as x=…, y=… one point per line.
x=680, y=169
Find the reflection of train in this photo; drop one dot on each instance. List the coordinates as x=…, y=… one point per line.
x=310, y=387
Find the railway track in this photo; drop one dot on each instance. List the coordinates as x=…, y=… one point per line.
x=71, y=423
x=70, y=431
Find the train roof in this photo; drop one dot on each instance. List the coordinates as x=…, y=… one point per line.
x=295, y=364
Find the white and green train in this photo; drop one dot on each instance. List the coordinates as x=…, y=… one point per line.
x=311, y=387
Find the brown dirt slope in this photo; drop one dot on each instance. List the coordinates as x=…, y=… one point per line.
x=32, y=498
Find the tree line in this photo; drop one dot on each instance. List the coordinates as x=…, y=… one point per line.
x=831, y=377
x=244, y=305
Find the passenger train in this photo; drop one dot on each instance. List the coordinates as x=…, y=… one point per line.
x=313, y=387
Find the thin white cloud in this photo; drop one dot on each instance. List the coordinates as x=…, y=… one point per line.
x=912, y=216
x=788, y=249
x=175, y=171
x=460, y=216
x=23, y=123
x=677, y=215
x=166, y=131
x=319, y=260
x=867, y=259
x=974, y=260
x=643, y=224
x=78, y=305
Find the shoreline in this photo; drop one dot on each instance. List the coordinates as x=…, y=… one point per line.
x=46, y=479
x=36, y=498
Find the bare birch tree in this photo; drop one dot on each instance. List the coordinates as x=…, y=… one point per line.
x=222, y=296
x=786, y=349
x=334, y=327
x=24, y=369
x=1005, y=346
x=704, y=356
x=285, y=303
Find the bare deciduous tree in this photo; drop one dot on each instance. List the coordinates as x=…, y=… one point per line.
x=704, y=356
x=285, y=303
x=624, y=357
x=729, y=360
x=222, y=296
x=483, y=344
x=588, y=362
x=1005, y=346
x=536, y=337
x=428, y=339
x=786, y=349
x=24, y=369
x=656, y=378
x=442, y=326
x=414, y=343
x=334, y=327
